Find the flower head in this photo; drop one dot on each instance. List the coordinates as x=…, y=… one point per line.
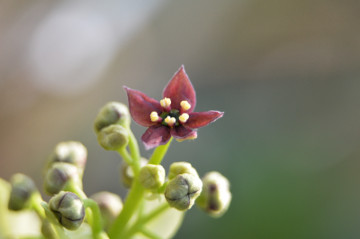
x=171, y=116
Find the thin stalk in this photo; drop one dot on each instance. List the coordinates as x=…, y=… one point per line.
x=159, y=153
x=126, y=156
x=96, y=224
x=132, y=202
x=145, y=219
x=134, y=151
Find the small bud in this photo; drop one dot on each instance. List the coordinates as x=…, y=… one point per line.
x=110, y=206
x=113, y=137
x=127, y=173
x=22, y=188
x=152, y=176
x=112, y=113
x=72, y=152
x=68, y=209
x=216, y=196
x=180, y=168
x=182, y=191
x=58, y=175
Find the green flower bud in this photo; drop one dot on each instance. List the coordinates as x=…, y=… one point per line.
x=22, y=188
x=110, y=206
x=152, y=176
x=68, y=209
x=127, y=173
x=72, y=152
x=112, y=113
x=182, y=191
x=58, y=175
x=216, y=196
x=113, y=137
x=180, y=168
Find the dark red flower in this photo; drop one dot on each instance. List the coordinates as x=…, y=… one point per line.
x=171, y=116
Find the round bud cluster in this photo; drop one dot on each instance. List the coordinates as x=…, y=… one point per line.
x=152, y=176
x=71, y=152
x=112, y=113
x=184, y=186
x=216, y=196
x=68, y=209
x=22, y=188
x=111, y=126
x=58, y=175
x=113, y=137
x=66, y=165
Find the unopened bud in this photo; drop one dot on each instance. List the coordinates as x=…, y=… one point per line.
x=68, y=209
x=58, y=175
x=110, y=205
x=113, y=137
x=182, y=191
x=72, y=152
x=180, y=168
x=22, y=188
x=127, y=173
x=112, y=113
x=152, y=176
x=216, y=196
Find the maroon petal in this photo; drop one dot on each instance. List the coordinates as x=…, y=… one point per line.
x=156, y=135
x=141, y=106
x=182, y=133
x=180, y=88
x=201, y=119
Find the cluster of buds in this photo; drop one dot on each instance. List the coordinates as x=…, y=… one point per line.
x=184, y=187
x=65, y=166
x=111, y=126
x=181, y=188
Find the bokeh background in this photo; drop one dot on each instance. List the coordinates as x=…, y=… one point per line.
x=286, y=73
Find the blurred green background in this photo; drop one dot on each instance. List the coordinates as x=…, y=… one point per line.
x=286, y=73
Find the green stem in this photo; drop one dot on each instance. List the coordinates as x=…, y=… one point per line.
x=147, y=218
x=135, y=152
x=96, y=224
x=159, y=153
x=126, y=156
x=131, y=204
x=35, y=202
x=136, y=193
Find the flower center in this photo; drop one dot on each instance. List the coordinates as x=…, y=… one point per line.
x=171, y=117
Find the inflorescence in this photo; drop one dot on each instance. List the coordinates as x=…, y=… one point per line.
x=70, y=212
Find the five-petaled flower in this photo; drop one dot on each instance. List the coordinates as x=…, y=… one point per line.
x=173, y=115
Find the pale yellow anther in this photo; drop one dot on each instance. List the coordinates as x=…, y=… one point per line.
x=183, y=117
x=154, y=117
x=170, y=120
x=185, y=105
x=165, y=103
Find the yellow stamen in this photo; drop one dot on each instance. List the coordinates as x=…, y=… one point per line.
x=165, y=103
x=170, y=120
x=154, y=117
x=183, y=117
x=185, y=105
